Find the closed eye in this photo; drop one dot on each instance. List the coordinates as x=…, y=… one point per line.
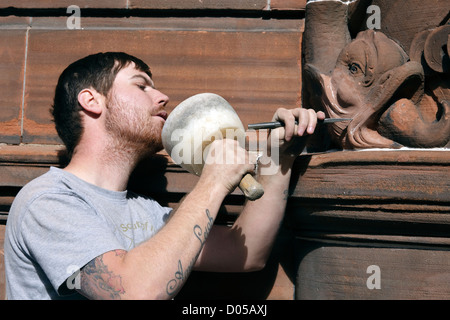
x=142, y=82
x=142, y=86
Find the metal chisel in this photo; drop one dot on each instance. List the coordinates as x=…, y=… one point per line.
x=277, y=124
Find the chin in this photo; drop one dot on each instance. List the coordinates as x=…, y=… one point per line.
x=152, y=148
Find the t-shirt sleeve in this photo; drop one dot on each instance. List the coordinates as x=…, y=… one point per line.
x=62, y=233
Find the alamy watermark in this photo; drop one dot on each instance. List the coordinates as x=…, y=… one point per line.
x=374, y=20
x=74, y=21
x=74, y=280
x=374, y=280
x=193, y=149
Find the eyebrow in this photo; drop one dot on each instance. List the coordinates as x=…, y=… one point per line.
x=146, y=80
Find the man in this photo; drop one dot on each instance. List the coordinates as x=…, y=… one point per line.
x=123, y=245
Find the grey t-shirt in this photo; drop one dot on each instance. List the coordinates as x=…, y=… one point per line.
x=58, y=223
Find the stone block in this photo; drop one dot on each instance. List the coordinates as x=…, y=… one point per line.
x=12, y=64
x=287, y=4
x=51, y=4
x=195, y=4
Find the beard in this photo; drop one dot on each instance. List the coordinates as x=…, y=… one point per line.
x=131, y=128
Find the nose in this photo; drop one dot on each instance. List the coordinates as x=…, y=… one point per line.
x=160, y=98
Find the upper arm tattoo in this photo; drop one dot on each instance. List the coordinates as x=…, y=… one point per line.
x=98, y=282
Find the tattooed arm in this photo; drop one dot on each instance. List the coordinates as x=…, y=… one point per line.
x=157, y=268
x=98, y=281
x=247, y=244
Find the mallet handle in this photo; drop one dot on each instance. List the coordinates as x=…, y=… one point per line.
x=251, y=188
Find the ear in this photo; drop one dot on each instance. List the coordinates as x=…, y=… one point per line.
x=91, y=101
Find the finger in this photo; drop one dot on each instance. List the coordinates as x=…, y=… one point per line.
x=288, y=118
x=312, y=121
x=303, y=121
x=243, y=157
x=320, y=115
x=253, y=157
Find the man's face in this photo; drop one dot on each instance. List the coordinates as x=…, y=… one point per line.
x=135, y=111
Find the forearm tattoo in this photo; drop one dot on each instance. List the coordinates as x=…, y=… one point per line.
x=181, y=275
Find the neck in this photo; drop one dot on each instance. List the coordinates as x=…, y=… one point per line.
x=108, y=166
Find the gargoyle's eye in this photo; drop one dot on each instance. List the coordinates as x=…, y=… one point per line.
x=354, y=68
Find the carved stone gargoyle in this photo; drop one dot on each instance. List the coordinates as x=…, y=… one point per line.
x=394, y=100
